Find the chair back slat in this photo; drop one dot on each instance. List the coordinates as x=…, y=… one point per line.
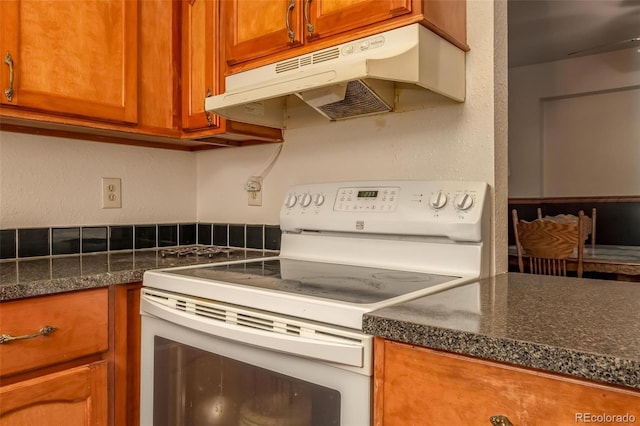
x=588, y=226
x=548, y=239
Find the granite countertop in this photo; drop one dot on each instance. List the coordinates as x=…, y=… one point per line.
x=584, y=328
x=36, y=277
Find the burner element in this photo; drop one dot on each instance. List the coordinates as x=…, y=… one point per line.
x=209, y=251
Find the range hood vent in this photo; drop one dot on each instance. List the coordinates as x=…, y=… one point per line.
x=350, y=80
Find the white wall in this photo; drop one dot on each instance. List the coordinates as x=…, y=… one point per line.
x=449, y=141
x=531, y=87
x=586, y=155
x=47, y=181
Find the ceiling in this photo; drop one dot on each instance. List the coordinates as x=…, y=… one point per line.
x=548, y=30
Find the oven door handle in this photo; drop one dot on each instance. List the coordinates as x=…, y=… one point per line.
x=351, y=353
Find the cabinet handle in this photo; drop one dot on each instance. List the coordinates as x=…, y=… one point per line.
x=207, y=113
x=292, y=35
x=306, y=17
x=44, y=331
x=8, y=92
x=500, y=421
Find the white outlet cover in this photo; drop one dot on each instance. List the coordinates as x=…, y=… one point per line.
x=111, y=193
x=255, y=197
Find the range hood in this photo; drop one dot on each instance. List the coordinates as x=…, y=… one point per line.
x=349, y=80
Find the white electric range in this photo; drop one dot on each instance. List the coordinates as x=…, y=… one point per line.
x=347, y=248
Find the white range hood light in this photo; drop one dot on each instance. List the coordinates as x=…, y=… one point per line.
x=350, y=80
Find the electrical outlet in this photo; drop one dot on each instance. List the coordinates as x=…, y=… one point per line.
x=111, y=193
x=254, y=190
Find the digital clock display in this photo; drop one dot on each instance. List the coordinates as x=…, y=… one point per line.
x=367, y=194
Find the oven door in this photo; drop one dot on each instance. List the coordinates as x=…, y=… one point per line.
x=205, y=363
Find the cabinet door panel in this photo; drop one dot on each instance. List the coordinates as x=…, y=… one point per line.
x=416, y=385
x=256, y=28
x=77, y=396
x=73, y=57
x=330, y=17
x=199, y=62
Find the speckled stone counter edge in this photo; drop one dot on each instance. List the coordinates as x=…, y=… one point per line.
x=61, y=285
x=599, y=368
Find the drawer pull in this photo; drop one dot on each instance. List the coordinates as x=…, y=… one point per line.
x=44, y=331
x=306, y=17
x=8, y=92
x=207, y=113
x=292, y=35
x=500, y=421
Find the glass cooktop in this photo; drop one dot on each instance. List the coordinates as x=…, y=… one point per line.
x=346, y=283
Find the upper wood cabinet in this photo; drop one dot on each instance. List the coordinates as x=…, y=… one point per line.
x=76, y=58
x=256, y=33
x=132, y=72
x=200, y=77
x=257, y=29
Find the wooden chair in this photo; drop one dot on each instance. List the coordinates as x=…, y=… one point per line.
x=589, y=224
x=548, y=244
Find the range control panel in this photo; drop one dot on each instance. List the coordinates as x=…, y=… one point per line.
x=367, y=199
x=452, y=209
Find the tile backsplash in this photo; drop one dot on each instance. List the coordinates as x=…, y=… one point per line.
x=35, y=242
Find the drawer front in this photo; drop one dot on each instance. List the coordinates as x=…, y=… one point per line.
x=81, y=328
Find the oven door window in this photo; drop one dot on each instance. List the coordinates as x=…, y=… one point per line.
x=193, y=387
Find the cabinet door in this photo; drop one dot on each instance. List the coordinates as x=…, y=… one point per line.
x=77, y=396
x=71, y=57
x=199, y=62
x=326, y=17
x=257, y=28
x=414, y=385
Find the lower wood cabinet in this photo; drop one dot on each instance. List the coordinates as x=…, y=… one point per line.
x=84, y=372
x=419, y=386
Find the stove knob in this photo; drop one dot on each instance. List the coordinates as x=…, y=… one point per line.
x=291, y=200
x=306, y=200
x=318, y=199
x=464, y=202
x=438, y=200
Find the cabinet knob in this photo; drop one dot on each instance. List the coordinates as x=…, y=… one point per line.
x=500, y=421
